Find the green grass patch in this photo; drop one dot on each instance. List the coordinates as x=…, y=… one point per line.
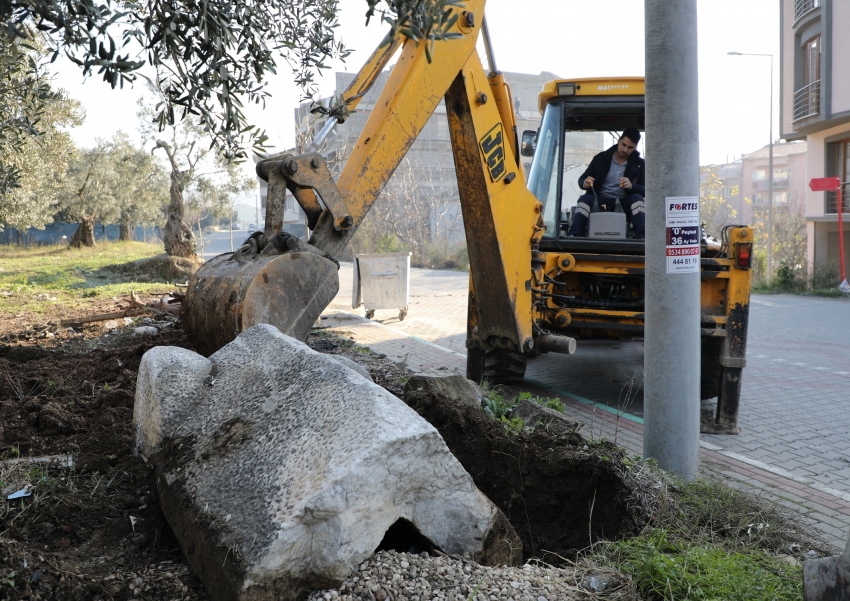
x=668, y=569
x=714, y=542
x=49, y=280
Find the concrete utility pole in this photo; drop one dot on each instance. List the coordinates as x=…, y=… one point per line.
x=672, y=338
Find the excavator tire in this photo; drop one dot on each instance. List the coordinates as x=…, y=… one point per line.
x=496, y=366
x=475, y=365
x=504, y=367
x=711, y=372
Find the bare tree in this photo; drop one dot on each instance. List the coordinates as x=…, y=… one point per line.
x=715, y=210
x=419, y=211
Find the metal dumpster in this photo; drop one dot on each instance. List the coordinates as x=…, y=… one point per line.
x=382, y=281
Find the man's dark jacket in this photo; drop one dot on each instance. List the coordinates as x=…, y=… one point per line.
x=601, y=165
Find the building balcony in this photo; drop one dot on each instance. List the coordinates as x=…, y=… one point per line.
x=801, y=7
x=778, y=184
x=807, y=101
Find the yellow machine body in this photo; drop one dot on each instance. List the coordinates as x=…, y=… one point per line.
x=518, y=271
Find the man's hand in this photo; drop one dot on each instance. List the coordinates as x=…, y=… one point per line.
x=625, y=183
x=588, y=182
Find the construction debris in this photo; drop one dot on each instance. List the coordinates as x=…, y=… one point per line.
x=168, y=304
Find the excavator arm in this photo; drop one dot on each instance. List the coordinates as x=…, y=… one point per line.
x=501, y=217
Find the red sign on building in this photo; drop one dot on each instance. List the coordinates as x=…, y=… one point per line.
x=825, y=184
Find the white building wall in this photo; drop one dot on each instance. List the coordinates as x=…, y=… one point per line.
x=840, y=56
x=787, y=66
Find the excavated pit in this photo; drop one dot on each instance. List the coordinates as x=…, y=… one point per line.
x=559, y=491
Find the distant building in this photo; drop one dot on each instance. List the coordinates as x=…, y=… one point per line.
x=815, y=106
x=789, y=180
x=730, y=175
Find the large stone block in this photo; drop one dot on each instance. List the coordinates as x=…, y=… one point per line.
x=279, y=469
x=454, y=387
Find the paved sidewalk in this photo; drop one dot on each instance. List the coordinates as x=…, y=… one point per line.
x=795, y=423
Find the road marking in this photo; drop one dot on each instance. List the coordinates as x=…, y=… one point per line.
x=820, y=368
x=843, y=373
x=799, y=364
x=761, y=357
x=709, y=446
x=586, y=401
x=786, y=474
x=761, y=302
x=780, y=360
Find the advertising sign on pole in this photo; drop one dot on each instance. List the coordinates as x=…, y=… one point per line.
x=683, y=235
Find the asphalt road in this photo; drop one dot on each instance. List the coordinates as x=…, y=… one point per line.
x=216, y=243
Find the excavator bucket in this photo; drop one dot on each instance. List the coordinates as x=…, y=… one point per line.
x=234, y=291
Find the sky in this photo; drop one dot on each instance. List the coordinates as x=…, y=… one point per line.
x=571, y=38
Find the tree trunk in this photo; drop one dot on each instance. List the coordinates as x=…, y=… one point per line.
x=125, y=232
x=84, y=236
x=177, y=237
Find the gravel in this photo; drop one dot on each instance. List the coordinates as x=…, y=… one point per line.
x=391, y=576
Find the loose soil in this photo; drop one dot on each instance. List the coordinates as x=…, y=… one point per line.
x=560, y=491
x=94, y=529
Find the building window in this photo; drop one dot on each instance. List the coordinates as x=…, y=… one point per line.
x=758, y=198
x=781, y=177
x=730, y=191
x=807, y=98
x=839, y=166
x=780, y=199
x=759, y=179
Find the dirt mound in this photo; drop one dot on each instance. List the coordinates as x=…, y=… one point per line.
x=560, y=492
x=92, y=527
x=159, y=268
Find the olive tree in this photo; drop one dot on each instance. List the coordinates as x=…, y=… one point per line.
x=34, y=142
x=113, y=182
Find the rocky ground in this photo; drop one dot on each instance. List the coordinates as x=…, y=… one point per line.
x=392, y=576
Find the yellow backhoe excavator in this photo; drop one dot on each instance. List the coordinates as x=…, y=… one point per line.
x=532, y=289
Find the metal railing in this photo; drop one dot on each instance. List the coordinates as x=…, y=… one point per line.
x=831, y=200
x=807, y=101
x=801, y=7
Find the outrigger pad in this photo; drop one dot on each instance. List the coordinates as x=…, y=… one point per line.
x=827, y=579
x=227, y=297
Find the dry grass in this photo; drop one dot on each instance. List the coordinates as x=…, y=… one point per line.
x=48, y=283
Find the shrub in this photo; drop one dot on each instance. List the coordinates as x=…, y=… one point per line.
x=824, y=275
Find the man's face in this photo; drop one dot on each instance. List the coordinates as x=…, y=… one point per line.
x=625, y=147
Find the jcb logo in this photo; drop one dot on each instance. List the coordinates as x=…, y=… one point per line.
x=494, y=152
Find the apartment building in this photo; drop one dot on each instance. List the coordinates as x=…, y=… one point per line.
x=789, y=180
x=815, y=106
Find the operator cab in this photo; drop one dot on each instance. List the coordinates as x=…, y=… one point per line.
x=581, y=117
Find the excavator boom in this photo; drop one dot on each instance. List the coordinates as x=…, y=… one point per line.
x=501, y=217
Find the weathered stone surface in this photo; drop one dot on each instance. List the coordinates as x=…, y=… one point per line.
x=280, y=470
x=538, y=416
x=353, y=365
x=451, y=386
